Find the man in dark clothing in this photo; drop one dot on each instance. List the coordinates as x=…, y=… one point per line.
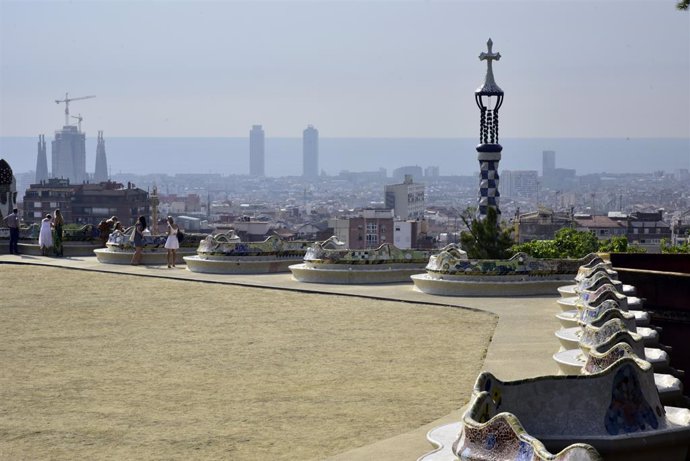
x=12, y=221
x=104, y=229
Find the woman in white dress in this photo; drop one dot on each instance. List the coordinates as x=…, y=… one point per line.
x=45, y=236
x=171, y=243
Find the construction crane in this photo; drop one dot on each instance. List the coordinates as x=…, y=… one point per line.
x=67, y=101
x=79, y=118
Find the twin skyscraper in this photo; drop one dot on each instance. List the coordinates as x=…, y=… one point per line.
x=310, y=152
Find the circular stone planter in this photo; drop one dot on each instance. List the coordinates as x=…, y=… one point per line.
x=152, y=257
x=239, y=265
x=354, y=274
x=447, y=285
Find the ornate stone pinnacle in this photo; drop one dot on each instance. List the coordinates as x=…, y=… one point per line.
x=489, y=86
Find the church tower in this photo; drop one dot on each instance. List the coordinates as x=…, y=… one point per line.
x=41, y=160
x=101, y=172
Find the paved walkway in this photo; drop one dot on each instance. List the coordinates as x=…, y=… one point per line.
x=521, y=347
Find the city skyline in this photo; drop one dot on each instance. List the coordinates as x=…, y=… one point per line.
x=364, y=69
x=284, y=156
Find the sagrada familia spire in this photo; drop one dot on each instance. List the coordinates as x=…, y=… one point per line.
x=101, y=172
x=41, y=160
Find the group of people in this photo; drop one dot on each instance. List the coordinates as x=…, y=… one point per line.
x=172, y=242
x=50, y=234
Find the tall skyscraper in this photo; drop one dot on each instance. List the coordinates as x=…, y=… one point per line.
x=310, y=152
x=548, y=162
x=69, y=155
x=256, y=151
x=101, y=172
x=41, y=160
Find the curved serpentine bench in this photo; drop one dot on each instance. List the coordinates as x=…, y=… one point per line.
x=616, y=411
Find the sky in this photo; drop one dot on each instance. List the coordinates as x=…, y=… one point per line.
x=353, y=69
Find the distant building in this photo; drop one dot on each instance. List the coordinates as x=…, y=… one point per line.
x=548, y=162
x=256, y=151
x=363, y=176
x=85, y=203
x=69, y=155
x=313, y=231
x=101, y=172
x=179, y=204
x=602, y=226
x=682, y=174
x=400, y=173
x=640, y=228
x=92, y=203
x=431, y=172
x=370, y=229
x=406, y=199
x=412, y=234
x=555, y=177
x=250, y=230
x=541, y=224
x=310, y=152
x=519, y=184
x=191, y=223
x=42, y=160
x=646, y=229
x=46, y=197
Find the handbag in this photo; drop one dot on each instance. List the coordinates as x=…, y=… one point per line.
x=180, y=235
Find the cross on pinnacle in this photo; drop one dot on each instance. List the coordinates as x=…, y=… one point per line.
x=489, y=82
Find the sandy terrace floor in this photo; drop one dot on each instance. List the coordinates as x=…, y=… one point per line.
x=101, y=366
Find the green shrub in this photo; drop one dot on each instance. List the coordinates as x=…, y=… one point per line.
x=485, y=239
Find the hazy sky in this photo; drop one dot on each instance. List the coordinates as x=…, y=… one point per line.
x=382, y=69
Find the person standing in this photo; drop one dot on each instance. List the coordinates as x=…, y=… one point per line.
x=172, y=243
x=45, y=236
x=58, y=222
x=138, y=240
x=104, y=229
x=12, y=221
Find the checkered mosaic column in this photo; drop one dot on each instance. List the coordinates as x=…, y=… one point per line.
x=488, y=188
x=488, y=155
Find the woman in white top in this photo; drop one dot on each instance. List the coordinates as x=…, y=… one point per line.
x=45, y=236
x=171, y=243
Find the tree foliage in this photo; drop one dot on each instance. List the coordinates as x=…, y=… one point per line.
x=485, y=239
x=683, y=4
x=570, y=243
x=567, y=243
x=683, y=248
x=614, y=245
x=619, y=245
